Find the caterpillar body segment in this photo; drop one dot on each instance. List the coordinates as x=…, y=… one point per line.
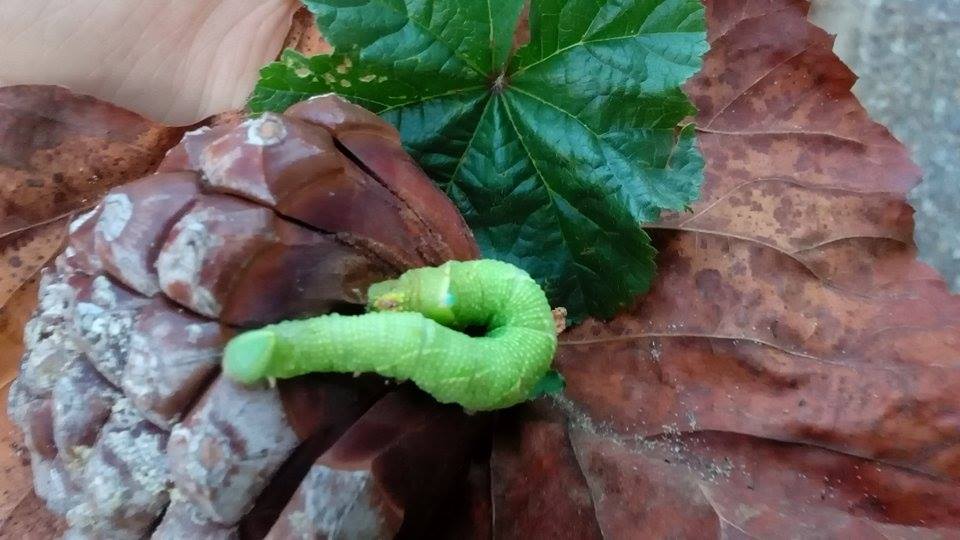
x=414, y=332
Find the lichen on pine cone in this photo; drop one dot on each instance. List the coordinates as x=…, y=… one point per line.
x=131, y=430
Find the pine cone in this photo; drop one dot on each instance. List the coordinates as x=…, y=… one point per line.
x=131, y=430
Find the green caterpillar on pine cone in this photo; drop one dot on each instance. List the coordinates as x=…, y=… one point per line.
x=413, y=332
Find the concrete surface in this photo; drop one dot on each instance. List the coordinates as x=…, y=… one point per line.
x=907, y=54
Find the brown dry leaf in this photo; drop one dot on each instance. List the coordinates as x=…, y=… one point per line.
x=24, y=253
x=14, y=463
x=173, y=61
x=304, y=35
x=16, y=311
x=794, y=371
x=60, y=152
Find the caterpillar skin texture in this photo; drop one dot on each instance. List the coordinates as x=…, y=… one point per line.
x=413, y=333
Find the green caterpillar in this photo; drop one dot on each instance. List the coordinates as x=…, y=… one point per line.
x=413, y=333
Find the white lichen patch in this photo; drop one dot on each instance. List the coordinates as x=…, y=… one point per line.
x=266, y=130
x=72, y=261
x=224, y=170
x=140, y=383
x=17, y=400
x=51, y=483
x=194, y=333
x=44, y=364
x=336, y=503
x=222, y=461
x=69, y=252
x=181, y=262
x=160, y=363
x=104, y=293
x=320, y=97
x=128, y=258
x=80, y=401
x=205, y=469
x=206, y=463
x=117, y=210
x=105, y=336
x=32, y=333
x=55, y=299
x=80, y=220
x=76, y=459
x=196, y=132
x=126, y=481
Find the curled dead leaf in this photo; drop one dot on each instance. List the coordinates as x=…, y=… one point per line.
x=304, y=35
x=794, y=368
x=174, y=62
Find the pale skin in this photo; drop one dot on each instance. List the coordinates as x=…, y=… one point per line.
x=413, y=333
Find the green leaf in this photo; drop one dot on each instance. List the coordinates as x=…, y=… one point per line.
x=556, y=153
x=551, y=383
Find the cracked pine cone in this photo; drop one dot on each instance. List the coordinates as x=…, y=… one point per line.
x=131, y=430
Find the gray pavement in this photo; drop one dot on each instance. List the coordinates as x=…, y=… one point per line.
x=907, y=54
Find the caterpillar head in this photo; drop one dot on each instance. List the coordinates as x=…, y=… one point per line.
x=424, y=290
